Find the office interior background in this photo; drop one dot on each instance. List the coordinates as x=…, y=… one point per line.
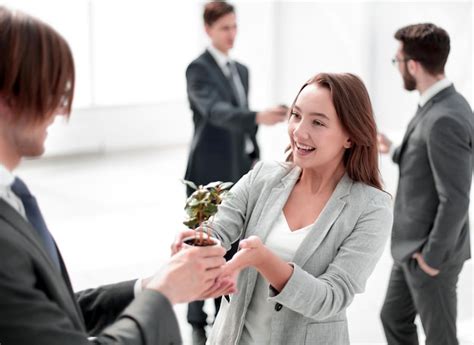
x=109, y=183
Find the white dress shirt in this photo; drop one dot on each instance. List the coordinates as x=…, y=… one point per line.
x=433, y=90
x=6, y=180
x=283, y=242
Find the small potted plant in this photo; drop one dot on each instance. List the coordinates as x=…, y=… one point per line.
x=200, y=207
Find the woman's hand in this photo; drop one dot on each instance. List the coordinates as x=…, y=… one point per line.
x=255, y=254
x=251, y=254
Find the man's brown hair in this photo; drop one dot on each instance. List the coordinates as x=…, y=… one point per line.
x=216, y=9
x=36, y=67
x=426, y=43
x=354, y=109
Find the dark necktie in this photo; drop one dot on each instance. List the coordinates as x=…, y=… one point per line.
x=33, y=213
x=239, y=92
x=237, y=85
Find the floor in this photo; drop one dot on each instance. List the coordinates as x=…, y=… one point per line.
x=114, y=217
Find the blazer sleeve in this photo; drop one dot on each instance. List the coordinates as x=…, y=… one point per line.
x=450, y=156
x=28, y=315
x=346, y=275
x=396, y=155
x=229, y=221
x=101, y=306
x=205, y=97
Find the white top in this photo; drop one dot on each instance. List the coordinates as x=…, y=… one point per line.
x=433, y=90
x=284, y=243
x=6, y=180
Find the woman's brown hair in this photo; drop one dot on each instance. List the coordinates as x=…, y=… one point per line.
x=36, y=67
x=354, y=109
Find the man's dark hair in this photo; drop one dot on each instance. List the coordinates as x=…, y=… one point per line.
x=426, y=43
x=215, y=10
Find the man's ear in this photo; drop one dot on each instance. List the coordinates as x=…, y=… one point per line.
x=207, y=28
x=412, y=67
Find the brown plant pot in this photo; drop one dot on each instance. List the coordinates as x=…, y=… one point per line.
x=197, y=241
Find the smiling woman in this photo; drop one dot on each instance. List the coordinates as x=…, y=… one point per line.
x=332, y=113
x=311, y=229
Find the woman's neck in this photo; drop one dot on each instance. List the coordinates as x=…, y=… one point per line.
x=319, y=181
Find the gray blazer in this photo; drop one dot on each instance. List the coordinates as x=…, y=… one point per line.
x=432, y=202
x=38, y=306
x=330, y=267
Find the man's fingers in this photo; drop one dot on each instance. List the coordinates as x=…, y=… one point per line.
x=208, y=251
x=213, y=290
x=212, y=273
x=212, y=262
x=223, y=288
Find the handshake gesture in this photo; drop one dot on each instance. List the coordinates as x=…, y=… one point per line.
x=196, y=273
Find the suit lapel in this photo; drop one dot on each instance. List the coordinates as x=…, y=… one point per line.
x=17, y=222
x=220, y=77
x=26, y=229
x=421, y=113
x=326, y=219
x=413, y=123
x=244, y=78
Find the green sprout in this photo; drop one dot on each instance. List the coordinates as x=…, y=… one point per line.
x=202, y=205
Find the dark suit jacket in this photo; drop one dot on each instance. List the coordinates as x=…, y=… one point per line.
x=432, y=201
x=38, y=306
x=220, y=125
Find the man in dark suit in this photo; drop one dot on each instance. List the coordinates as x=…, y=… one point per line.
x=224, y=146
x=430, y=238
x=37, y=302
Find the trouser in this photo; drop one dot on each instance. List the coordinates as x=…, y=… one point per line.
x=410, y=292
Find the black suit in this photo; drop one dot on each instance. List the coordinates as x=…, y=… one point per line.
x=38, y=306
x=221, y=127
x=431, y=217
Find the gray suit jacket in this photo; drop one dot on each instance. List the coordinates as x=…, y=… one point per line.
x=38, y=306
x=432, y=201
x=220, y=125
x=330, y=267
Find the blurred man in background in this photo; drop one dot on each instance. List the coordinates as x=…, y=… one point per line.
x=224, y=146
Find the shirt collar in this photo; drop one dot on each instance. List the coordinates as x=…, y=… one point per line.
x=219, y=56
x=433, y=90
x=6, y=176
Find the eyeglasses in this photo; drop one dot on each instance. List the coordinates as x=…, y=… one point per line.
x=396, y=60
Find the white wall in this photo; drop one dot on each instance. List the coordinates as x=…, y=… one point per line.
x=131, y=58
x=357, y=37
x=394, y=106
